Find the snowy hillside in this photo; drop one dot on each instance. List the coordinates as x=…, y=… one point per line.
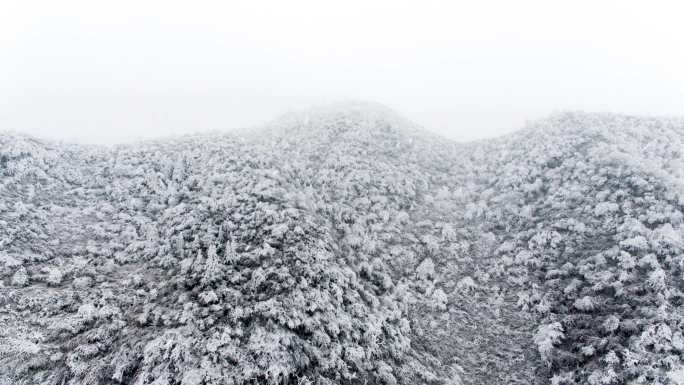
x=344, y=245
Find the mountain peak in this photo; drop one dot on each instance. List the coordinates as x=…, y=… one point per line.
x=605, y=124
x=358, y=117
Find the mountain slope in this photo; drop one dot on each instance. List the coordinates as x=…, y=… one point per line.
x=592, y=207
x=345, y=245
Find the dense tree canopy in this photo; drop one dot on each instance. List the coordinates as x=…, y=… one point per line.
x=345, y=245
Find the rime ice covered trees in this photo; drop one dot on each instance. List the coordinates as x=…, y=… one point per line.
x=347, y=248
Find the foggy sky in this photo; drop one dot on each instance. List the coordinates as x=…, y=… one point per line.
x=109, y=72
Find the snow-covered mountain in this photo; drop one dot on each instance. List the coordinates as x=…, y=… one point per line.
x=345, y=245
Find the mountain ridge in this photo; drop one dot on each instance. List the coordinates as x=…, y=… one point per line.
x=362, y=115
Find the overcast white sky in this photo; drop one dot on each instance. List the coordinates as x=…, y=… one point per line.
x=116, y=71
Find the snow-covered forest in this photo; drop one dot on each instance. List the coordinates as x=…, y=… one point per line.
x=345, y=245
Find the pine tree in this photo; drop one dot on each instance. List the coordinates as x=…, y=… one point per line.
x=213, y=271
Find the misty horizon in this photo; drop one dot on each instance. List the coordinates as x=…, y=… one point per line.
x=81, y=72
x=337, y=105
